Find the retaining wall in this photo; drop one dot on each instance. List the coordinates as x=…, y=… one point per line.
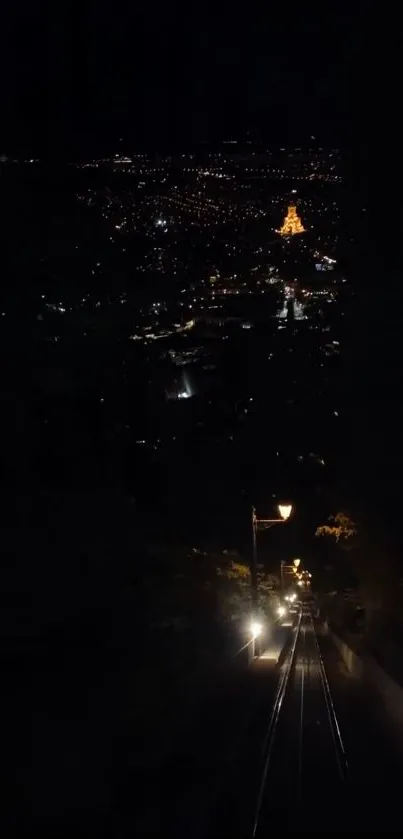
x=388, y=692
x=353, y=662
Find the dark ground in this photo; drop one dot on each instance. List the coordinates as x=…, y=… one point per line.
x=375, y=752
x=71, y=763
x=210, y=786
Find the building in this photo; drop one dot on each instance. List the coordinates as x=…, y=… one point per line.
x=292, y=223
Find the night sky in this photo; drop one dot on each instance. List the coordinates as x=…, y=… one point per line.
x=162, y=73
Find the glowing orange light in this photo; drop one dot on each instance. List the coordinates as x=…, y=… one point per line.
x=292, y=223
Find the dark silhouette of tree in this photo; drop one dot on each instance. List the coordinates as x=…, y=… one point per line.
x=366, y=549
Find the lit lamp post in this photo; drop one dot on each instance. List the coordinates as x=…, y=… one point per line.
x=292, y=569
x=285, y=511
x=295, y=565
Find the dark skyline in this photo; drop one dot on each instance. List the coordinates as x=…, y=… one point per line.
x=165, y=75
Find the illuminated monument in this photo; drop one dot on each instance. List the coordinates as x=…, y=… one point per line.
x=292, y=223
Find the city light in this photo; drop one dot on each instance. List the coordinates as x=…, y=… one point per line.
x=281, y=611
x=297, y=563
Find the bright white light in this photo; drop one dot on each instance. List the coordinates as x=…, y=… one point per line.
x=256, y=629
x=285, y=510
x=297, y=563
x=300, y=583
x=281, y=611
x=299, y=311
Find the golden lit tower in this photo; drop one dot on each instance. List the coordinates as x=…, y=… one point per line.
x=292, y=223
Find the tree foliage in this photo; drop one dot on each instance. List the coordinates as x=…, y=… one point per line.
x=184, y=588
x=234, y=590
x=341, y=527
x=366, y=551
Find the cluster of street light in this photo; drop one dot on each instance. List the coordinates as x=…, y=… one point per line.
x=256, y=627
x=304, y=578
x=290, y=599
x=285, y=511
x=300, y=577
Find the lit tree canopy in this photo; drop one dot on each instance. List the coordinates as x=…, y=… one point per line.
x=341, y=527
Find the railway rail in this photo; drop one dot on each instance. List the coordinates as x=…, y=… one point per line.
x=285, y=765
x=303, y=751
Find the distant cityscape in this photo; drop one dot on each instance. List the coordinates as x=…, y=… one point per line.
x=180, y=279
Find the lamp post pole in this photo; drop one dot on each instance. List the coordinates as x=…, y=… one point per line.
x=253, y=570
x=285, y=511
x=253, y=581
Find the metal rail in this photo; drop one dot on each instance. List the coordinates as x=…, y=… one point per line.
x=269, y=739
x=341, y=756
x=297, y=720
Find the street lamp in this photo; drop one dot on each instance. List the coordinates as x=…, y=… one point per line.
x=285, y=511
x=297, y=563
x=256, y=629
x=263, y=524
